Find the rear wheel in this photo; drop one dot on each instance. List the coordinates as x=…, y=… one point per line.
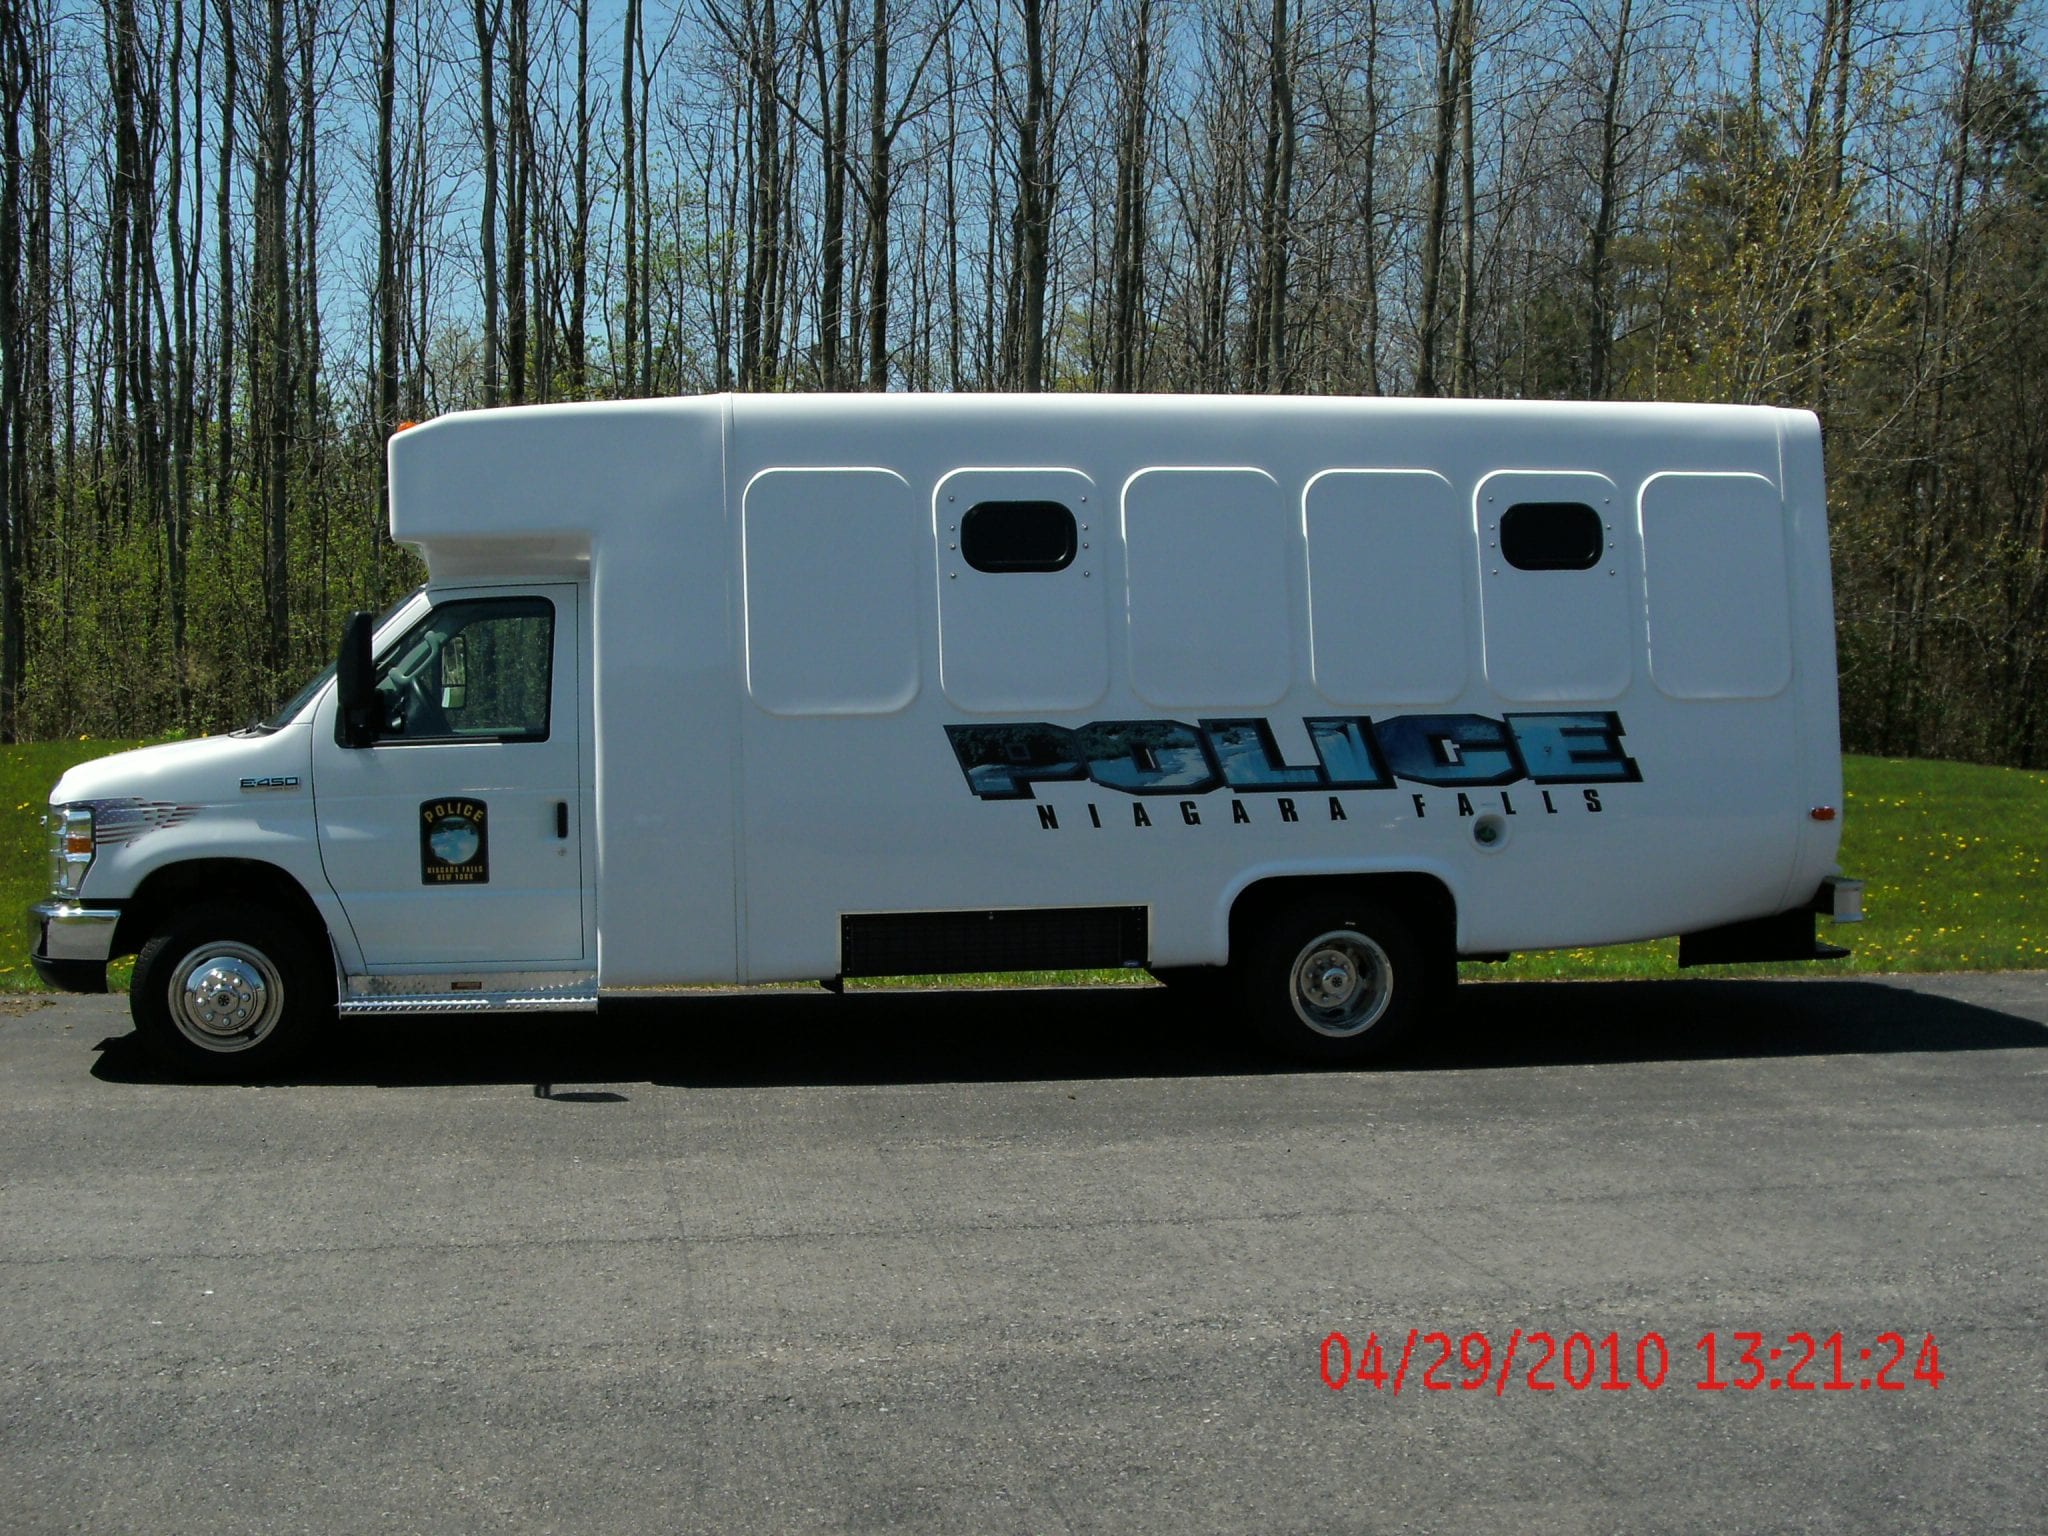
x=1330, y=979
x=230, y=990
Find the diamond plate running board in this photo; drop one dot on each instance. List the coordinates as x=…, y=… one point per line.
x=582, y=999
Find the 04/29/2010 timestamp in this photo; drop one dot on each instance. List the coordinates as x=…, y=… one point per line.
x=1543, y=1361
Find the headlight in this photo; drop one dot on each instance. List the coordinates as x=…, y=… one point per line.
x=71, y=847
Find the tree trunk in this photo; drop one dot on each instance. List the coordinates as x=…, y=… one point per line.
x=626, y=175
x=224, y=389
x=646, y=311
x=1034, y=211
x=1133, y=187
x=1600, y=329
x=952, y=228
x=1837, y=160
x=1269, y=342
x=182, y=383
x=831, y=62
x=120, y=252
x=759, y=340
x=518, y=174
x=488, y=18
x=579, y=234
x=413, y=391
x=312, y=428
x=1437, y=211
x=1464, y=382
x=15, y=67
x=878, y=188
x=1368, y=199
x=387, y=264
x=40, y=313
x=272, y=359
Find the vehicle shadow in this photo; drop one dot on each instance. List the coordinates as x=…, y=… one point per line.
x=787, y=1038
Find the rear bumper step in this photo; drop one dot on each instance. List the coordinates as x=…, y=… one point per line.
x=1784, y=936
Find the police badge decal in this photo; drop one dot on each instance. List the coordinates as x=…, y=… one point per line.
x=455, y=842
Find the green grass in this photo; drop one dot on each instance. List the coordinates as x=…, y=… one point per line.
x=1120, y=978
x=1953, y=856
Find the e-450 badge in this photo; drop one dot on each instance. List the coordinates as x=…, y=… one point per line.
x=455, y=842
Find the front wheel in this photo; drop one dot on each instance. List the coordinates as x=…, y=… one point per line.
x=230, y=990
x=1335, y=980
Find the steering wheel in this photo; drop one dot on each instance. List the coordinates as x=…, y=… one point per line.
x=410, y=700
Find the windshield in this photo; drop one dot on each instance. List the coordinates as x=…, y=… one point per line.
x=304, y=696
x=283, y=717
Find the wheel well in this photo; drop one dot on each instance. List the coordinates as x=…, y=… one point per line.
x=1425, y=897
x=202, y=880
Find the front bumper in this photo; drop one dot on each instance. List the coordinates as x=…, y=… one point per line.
x=69, y=944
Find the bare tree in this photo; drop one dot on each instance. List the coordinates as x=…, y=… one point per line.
x=832, y=59
x=1269, y=314
x=17, y=63
x=1033, y=218
x=178, y=529
x=1133, y=192
x=518, y=190
x=1599, y=277
x=488, y=16
x=387, y=295
x=629, y=186
x=1466, y=366
x=271, y=362
x=579, y=229
x=1450, y=57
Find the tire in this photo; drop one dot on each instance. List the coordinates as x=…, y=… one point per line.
x=230, y=990
x=1336, y=980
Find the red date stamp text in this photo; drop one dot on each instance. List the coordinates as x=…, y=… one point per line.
x=1542, y=1361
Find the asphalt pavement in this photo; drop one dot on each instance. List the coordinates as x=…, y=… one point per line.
x=1042, y=1261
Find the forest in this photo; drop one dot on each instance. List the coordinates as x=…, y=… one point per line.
x=242, y=241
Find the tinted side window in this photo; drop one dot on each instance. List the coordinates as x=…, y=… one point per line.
x=1551, y=536
x=469, y=670
x=1006, y=536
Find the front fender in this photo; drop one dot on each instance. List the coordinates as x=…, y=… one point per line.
x=150, y=843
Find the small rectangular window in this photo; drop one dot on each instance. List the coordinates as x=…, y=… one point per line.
x=1551, y=536
x=1003, y=537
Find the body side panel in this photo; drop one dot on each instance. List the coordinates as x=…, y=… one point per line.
x=873, y=813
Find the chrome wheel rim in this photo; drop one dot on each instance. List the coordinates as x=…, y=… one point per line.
x=226, y=996
x=1341, y=983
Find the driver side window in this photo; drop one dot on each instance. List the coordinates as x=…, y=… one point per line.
x=477, y=670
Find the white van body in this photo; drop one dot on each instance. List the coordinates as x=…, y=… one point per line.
x=792, y=731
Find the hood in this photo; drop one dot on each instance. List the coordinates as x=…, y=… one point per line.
x=203, y=772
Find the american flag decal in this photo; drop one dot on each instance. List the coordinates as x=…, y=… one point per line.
x=122, y=821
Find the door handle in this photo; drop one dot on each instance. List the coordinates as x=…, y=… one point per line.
x=561, y=818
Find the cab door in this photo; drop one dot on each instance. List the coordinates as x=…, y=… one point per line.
x=454, y=838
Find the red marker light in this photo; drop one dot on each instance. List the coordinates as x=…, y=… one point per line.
x=1822, y=813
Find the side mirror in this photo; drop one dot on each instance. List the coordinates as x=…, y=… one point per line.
x=355, y=686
